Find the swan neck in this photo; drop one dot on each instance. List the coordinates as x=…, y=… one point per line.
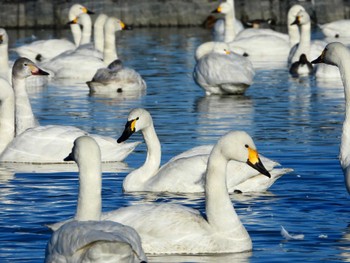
x=136, y=180
x=110, y=49
x=98, y=37
x=86, y=32
x=305, y=39
x=4, y=61
x=23, y=110
x=7, y=119
x=90, y=184
x=219, y=209
x=230, y=32
x=76, y=32
x=294, y=34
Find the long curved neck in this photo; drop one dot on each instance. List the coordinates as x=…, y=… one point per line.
x=7, y=118
x=76, y=32
x=344, y=68
x=98, y=37
x=89, y=200
x=86, y=32
x=24, y=114
x=110, y=49
x=139, y=177
x=220, y=212
x=4, y=61
x=294, y=35
x=305, y=39
x=230, y=32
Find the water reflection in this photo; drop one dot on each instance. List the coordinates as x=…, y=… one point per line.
x=344, y=245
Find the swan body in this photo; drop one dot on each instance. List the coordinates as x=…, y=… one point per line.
x=176, y=229
x=42, y=144
x=337, y=29
x=337, y=54
x=43, y=50
x=86, y=238
x=185, y=173
x=116, y=77
x=76, y=64
x=220, y=71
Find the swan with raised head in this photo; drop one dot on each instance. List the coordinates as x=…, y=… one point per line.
x=43, y=50
x=116, y=77
x=311, y=48
x=186, y=172
x=219, y=71
x=176, y=229
x=338, y=54
x=42, y=144
x=87, y=238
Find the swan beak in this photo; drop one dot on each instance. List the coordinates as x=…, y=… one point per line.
x=122, y=25
x=128, y=131
x=37, y=71
x=69, y=157
x=87, y=11
x=255, y=162
x=1, y=39
x=296, y=21
x=320, y=59
x=74, y=21
x=217, y=10
x=227, y=52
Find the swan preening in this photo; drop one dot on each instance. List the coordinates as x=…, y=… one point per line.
x=116, y=77
x=176, y=229
x=43, y=50
x=26, y=141
x=86, y=238
x=185, y=173
x=338, y=54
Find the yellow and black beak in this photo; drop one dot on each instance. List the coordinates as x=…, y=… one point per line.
x=296, y=21
x=320, y=59
x=217, y=10
x=74, y=21
x=128, y=130
x=87, y=11
x=255, y=162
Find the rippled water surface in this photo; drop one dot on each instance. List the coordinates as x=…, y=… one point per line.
x=296, y=122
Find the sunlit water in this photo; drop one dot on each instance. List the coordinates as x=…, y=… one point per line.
x=296, y=122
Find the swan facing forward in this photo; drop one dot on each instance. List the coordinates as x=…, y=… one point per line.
x=185, y=173
x=41, y=144
x=86, y=238
x=338, y=54
x=176, y=229
x=219, y=71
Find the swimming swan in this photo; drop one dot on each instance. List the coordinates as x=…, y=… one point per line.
x=336, y=29
x=43, y=50
x=338, y=54
x=185, y=173
x=116, y=77
x=219, y=71
x=42, y=144
x=176, y=229
x=87, y=239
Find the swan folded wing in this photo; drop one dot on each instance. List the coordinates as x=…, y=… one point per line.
x=78, y=235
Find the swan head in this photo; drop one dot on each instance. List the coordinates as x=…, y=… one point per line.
x=332, y=54
x=293, y=12
x=84, y=147
x=224, y=8
x=3, y=36
x=302, y=18
x=78, y=9
x=24, y=68
x=114, y=24
x=82, y=19
x=138, y=119
x=239, y=146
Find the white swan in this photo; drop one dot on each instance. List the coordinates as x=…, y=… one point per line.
x=87, y=239
x=176, y=229
x=336, y=29
x=219, y=71
x=186, y=172
x=338, y=54
x=311, y=48
x=77, y=64
x=42, y=144
x=114, y=78
x=43, y=50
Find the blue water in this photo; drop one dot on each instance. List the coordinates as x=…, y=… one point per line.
x=296, y=122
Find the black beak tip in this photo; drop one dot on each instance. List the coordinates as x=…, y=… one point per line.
x=317, y=60
x=214, y=11
x=90, y=12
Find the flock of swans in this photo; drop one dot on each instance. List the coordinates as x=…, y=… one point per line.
x=224, y=66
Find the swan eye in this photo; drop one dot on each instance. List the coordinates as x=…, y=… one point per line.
x=246, y=146
x=137, y=118
x=25, y=64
